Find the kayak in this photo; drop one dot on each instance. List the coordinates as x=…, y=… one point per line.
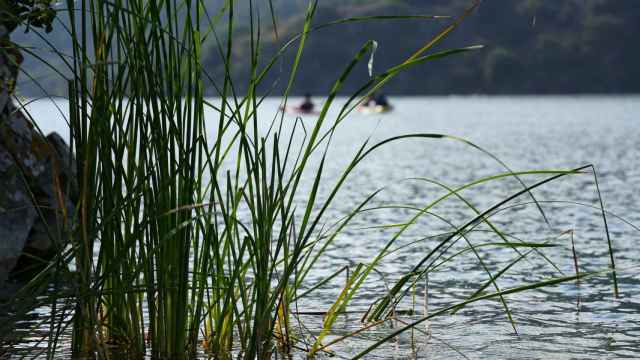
x=296, y=110
x=376, y=109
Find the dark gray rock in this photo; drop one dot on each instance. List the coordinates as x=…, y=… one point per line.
x=17, y=213
x=56, y=193
x=37, y=185
x=37, y=192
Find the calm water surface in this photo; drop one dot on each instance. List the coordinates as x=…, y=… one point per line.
x=526, y=133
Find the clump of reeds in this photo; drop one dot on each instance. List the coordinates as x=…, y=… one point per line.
x=188, y=241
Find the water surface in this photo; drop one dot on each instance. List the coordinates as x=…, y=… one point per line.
x=526, y=133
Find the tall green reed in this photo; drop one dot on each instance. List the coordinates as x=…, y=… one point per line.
x=190, y=234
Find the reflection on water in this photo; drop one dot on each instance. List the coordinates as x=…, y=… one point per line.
x=527, y=133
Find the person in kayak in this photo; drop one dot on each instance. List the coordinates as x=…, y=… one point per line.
x=307, y=105
x=370, y=101
x=381, y=100
x=375, y=103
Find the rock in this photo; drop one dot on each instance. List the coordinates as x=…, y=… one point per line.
x=17, y=214
x=37, y=194
x=56, y=191
x=10, y=60
x=16, y=224
x=37, y=185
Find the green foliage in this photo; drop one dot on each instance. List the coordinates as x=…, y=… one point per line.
x=30, y=13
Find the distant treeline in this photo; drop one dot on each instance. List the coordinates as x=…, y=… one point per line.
x=531, y=46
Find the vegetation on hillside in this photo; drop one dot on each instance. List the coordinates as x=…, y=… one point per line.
x=532, y=46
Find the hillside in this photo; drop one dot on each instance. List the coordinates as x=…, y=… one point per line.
x=531, y=46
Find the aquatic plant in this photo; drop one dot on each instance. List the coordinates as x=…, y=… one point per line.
x=190, y=234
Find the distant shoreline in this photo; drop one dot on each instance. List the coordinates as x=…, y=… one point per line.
x=405, y=96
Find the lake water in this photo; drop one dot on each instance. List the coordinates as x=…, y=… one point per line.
x=527, y=133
